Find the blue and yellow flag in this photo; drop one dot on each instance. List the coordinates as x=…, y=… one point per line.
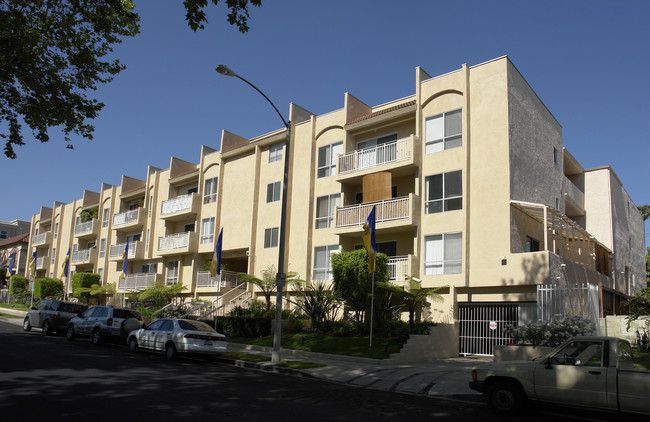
x=11, y=264
x=215, y=266
x=369, y=240
x=32, y=263
x=66, y=264
x=125, y=257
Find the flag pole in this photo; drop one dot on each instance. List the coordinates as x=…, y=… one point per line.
x=372, y=309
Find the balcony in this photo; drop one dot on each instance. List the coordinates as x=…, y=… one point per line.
x=227, y=279
x=87, y=229
x=390, y=214
x=43, y=239
x=136, y=251
x=130, y=220
x=138, y=281
x=86, y=256
x=389, y=156
x=575, y=199
x=399, y=267
x=180, y=208
x=41, y=262
x=179, y=243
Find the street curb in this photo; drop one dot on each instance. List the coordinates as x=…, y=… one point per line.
x=265, y=366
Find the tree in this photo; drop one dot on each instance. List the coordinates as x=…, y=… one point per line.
x=266, y=284
x=414, y=295
x=352, y=281
x=160, y=293
x=97, y=290
x=53, y=54
x=645, y=211
x=318, y=302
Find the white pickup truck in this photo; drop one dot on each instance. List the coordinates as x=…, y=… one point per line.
x=594, y=372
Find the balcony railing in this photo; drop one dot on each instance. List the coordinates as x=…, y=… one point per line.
x=128, y=218
x=116, y=251
x=225, y=279
x=174, y=241
x=398, y=267
x=574, y=194
x=87, y=228
x=42, y=239
x=178, y=204
x=389, y=152
x=84, y=256
x=41, y=261
x=387, y=210
x=137, y=281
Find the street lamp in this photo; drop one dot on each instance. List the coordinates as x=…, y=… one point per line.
x=280, y=279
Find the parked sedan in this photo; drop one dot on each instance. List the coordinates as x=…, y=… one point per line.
x=174, y=336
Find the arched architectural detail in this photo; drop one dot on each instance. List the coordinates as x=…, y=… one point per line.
x=440, y=94
x=328, y=128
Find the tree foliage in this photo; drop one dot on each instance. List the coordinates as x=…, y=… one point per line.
x=637, y=306
x=82, y=281
x=266, y=284
x=53, y=53
x=645, y=211
x=317, y=301
x=352, y=281
x=413, y=296
x=160, y=293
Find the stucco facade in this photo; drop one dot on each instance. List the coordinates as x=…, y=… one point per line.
x=473, y=187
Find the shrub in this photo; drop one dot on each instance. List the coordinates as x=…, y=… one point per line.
x=18, y=285
x=243, y=327
x=551, y=333
x=80, y=280
x=397, y=328
x=48, y=287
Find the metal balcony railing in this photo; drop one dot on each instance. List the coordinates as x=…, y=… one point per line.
x=180, y=203
x=389, y=152
x=138, y=281
x=127, y=217
x=225, y=279
x=174, y=241
x=387, y=210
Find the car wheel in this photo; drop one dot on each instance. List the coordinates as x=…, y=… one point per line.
x=27, y=326
x=133, y=345
x=170, y=351
x=46, y=327
x=505, y=397
x=69, y=333
x=96, y=337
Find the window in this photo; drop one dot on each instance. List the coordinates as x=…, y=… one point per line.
x=56, y=230
x=193, y=189
x=149, y=268
x=189, y=227
x=443, y=254
x=207, y=230
x=150, y=204
x=532, y=245
x=133, y=238
x=3, y=234
x=325, y=209
x=275, y=153
x=105, y=216
x=53, y=256
x=100, y=271
x=376, y=151
x=102, y=247
x=271, y=238
x=555, y=157
x=444, y=192
x=172, y=273
x=327, y=159
x=323, y=262
x=443, y=132
x=210, y=191
x=273, y=192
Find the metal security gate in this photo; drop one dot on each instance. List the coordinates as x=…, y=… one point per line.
x=482, y=325
x=577, y=299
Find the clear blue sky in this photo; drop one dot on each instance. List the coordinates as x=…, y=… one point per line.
x=589, y=62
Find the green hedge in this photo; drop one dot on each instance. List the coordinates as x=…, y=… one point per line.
x=48, y=287
x=243, y=327
x=80, y=280
x=18, y=284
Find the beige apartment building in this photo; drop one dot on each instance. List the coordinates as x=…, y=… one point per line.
x=473, y=189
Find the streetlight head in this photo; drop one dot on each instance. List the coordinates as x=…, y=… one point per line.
x=222, y=69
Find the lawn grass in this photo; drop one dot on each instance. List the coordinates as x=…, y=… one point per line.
x=324, y=343
x=14, y=305
x=9, y=315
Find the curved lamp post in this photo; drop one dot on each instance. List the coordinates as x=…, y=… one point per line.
x=280, y=279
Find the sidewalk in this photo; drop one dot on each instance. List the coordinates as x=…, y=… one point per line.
x=445, y=378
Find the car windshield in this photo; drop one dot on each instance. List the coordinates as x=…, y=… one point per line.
x=191, y=325
x=127, y=313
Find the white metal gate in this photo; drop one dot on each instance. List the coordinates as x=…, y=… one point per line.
x=482, y=325
x=577, y=299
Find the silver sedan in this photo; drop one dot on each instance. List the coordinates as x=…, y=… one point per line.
x=173, y=336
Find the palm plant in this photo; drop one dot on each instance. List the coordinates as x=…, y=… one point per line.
x=318, y=302
x=413, y=295
x=266, y=284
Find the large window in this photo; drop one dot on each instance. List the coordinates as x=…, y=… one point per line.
x=207, y=230
x=275, y=152
x=273, y=192
x=106, y=213
x=327, y=159
x=102, y=247
x=172, y=273
x=444, y=131
x=444, y=192
x=443, y=254
x=323, y=262
x=271, y=238
x=325, y=209
x=210, y=190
